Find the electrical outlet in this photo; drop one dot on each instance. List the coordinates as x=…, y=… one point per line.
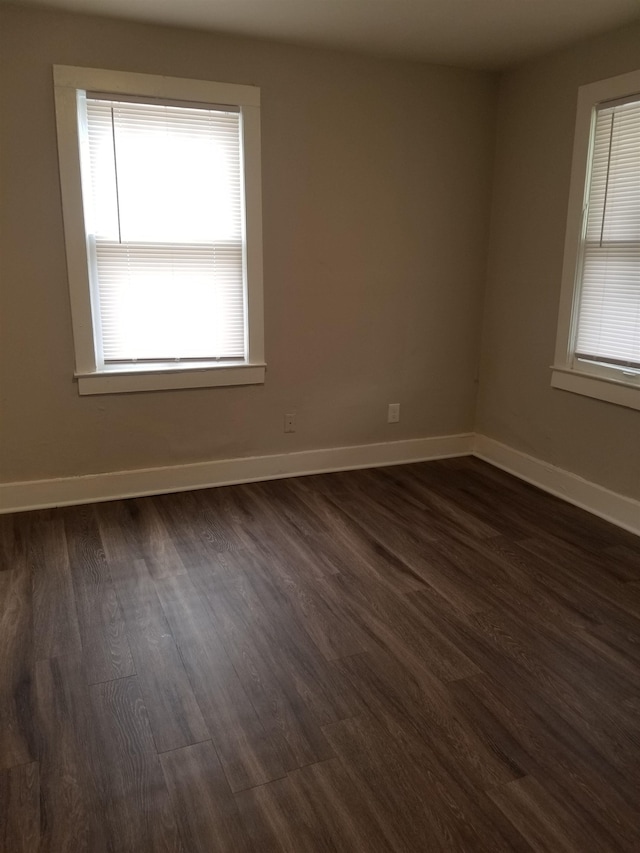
x=290, y=422
x=393, y=413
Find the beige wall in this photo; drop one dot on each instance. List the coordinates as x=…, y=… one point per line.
x=516, y=404
x=376, y=184
x=376, y=181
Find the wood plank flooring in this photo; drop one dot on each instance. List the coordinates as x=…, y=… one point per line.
x=431, y=657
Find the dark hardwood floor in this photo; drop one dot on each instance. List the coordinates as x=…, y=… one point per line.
x=432, y=657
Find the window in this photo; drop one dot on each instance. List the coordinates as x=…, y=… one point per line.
x=161, y=198
x=598, y=345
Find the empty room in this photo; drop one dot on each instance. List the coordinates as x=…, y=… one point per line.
x=319, y=426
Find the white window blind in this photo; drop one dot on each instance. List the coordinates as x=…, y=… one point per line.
x=609, y=303
x=165, y=223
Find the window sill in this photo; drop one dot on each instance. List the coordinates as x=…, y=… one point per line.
x=599, y=387
x=133, y=378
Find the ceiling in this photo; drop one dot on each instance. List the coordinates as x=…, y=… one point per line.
x=476, y=33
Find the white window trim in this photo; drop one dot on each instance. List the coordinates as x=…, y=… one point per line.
x=567, y=373
x=95, y=379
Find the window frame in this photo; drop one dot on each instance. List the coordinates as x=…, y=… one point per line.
x=94, y=377
x=567, y=373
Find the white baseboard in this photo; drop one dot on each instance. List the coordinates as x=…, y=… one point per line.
x=39, y=494
x=616, y=508
x=63, y=491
